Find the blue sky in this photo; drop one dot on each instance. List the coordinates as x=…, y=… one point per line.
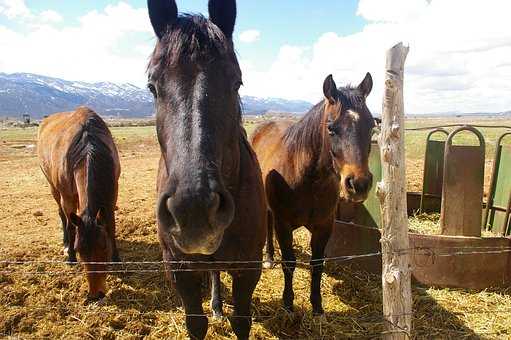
x=286, y=48
x=295, y=22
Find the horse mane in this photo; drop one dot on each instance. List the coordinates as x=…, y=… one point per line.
x=191, y=38
x=304, y=138
x=88, y=146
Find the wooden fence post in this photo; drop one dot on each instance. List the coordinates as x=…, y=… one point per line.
x=396, y=273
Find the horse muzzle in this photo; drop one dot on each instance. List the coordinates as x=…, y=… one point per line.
x=196, y=222
x=356, y=187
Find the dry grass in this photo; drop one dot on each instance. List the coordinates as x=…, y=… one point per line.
x=142, y=305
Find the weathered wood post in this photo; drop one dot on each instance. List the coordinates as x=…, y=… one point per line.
x=396, y=273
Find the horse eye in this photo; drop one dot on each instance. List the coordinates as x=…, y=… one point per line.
x=331, y=129
x=152, y=88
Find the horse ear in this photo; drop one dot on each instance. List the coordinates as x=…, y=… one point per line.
x=366, y=85
x=76, y=221
x=162, y=13
x=223, y=14
x=330, y=89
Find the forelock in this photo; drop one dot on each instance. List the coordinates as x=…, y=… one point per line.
x=353, y=99
x=191, y=38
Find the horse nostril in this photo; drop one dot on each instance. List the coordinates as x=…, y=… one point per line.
x=220, y=209
x=215, y=200
x=362, y=185
x=349, y=182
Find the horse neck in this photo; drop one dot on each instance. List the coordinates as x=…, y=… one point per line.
x=311, y=146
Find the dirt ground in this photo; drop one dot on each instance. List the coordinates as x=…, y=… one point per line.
x=47, y=300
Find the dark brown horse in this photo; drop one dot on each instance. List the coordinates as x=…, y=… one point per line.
x=306, y=166
x=211, y=206
x=78, y=157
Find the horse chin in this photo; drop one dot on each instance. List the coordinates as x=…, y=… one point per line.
x=357, y=198
x=208, y=247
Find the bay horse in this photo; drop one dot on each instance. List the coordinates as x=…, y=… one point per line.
x=211, y=208
x=306, y=167
x=79, y=159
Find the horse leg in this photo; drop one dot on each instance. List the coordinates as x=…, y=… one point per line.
x=216, y=297
x=188, y=285
x=285, y=239
x=67, y=208
x=320, y=236
x=65, y=233
x=269, y=251
x=63, y=218
x=243, y=286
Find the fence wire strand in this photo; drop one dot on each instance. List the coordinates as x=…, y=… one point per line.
x=187, y=266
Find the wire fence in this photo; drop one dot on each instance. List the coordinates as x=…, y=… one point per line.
x=17, y=267
x=238, y=265
x=45, y=267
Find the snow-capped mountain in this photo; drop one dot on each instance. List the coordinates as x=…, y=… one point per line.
x=256, y=105
x=40, y=95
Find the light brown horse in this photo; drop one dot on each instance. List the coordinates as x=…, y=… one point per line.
x=211, y=208
x=79, y=159
x=306, y=166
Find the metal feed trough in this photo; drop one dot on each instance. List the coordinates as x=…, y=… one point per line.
x=458, y=257
x=431, y=194
x=462, y=190
x=498, y=208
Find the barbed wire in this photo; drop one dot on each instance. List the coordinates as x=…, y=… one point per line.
x=195, y=266
x=424, y=251
x=190, y=262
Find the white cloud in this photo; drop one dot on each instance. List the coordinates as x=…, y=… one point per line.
x=250, y=36
x=112, y=44
x=14, y=9
x=458, y=61
x=50, y=16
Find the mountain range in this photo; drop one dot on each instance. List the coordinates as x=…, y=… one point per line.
x=38, y=96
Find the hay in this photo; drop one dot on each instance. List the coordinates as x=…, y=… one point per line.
x=140, y=305
x=429, y=224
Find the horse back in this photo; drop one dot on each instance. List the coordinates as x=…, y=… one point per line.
x=266, y=140
x=56, y=136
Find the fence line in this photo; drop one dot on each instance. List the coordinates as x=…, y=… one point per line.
x=182, y=266
x=337, y=258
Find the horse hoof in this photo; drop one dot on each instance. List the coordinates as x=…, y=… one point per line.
x=268, y=264
x=217, y=316
x=97, y=299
